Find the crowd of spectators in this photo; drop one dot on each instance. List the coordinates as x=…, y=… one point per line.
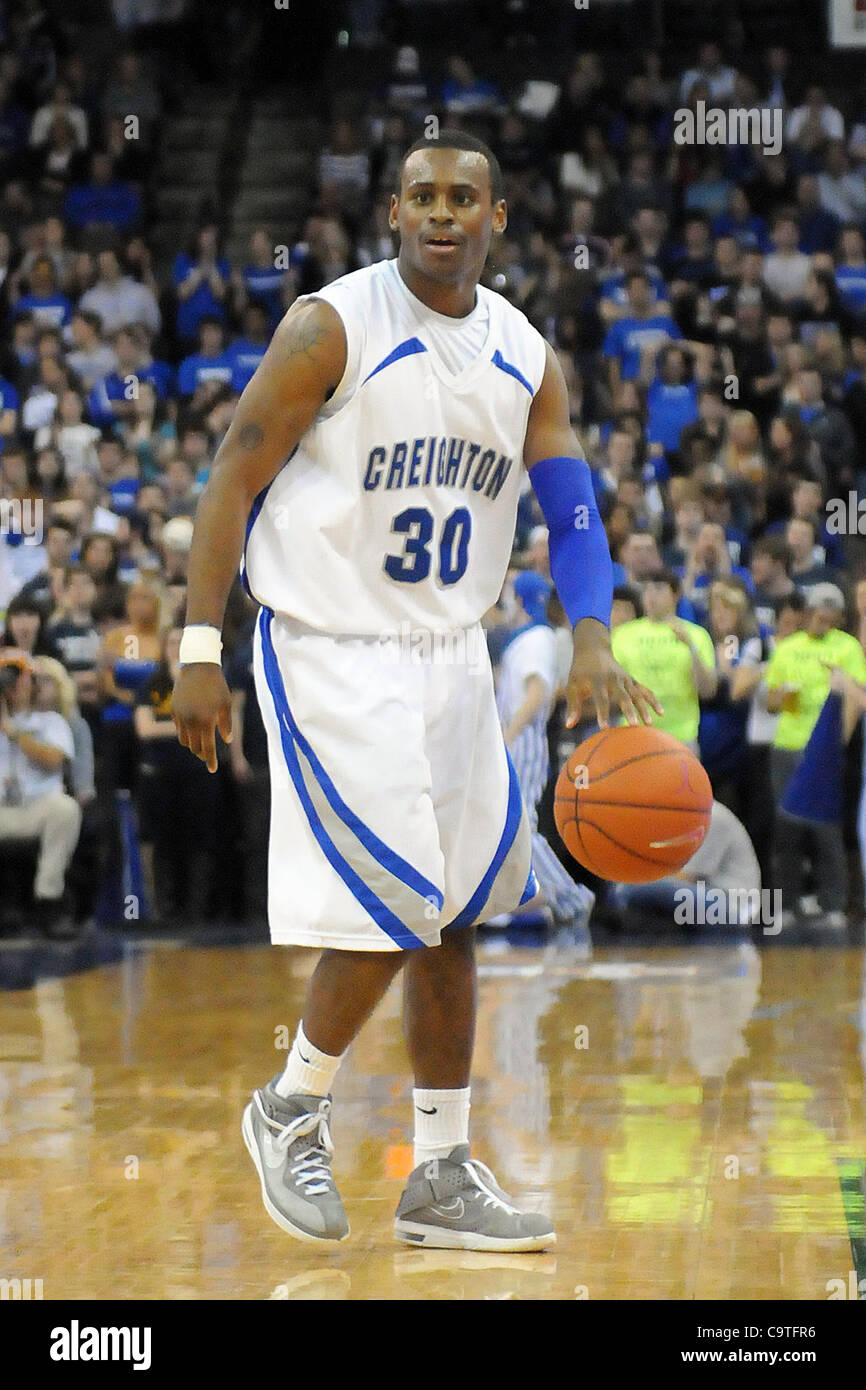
x=708, y=307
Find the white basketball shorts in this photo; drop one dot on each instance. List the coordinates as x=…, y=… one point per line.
x=395, y=810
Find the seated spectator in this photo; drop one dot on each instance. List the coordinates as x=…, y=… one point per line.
x=56, y=164
x=344, y=169
x=643, y=186
x=746, y=227
x=72, y=629
x=115, y=399
x=104, y=201
x=709, y=561
x=726, y=753
x=48, y=238
x=25, y=627
x=673, y=657
x=92, y=359
x=60, y=539
x=770, y=570
x=178, y=802
x=22, y=350
x=815, y=122
x=791, y=615
x=99, y=558
x=850, y=274
x=792, y=455
x=638, y=335
x=50, y=474
x=640, y=106
x=627, y=259
x=830, y=430
x=129, y=657
x=627, y=605
x=819, y=226
x=786, y=267
x=672, y=400
x=261, y=282
x=710, y=192
x=88, y=496
x=35, y=746
x=692, y=262
x=55, y=691
x=649, y=226
x=588, y=168
x=807, y=501
x=711, y=70
x=821, y=309
x=406, y=89
x=464, y=93
x=726, y=269
x=44, y=300
x=842, y=190
x=196, y=450
x=246, y=352
x=131, y=93
x=808, y=565
x=798, y=682
x=324, y=255
x=39, y=406
x=212, y=363
x=118, y=299
x=60, y=106
x=725, y=865
x=744, y=456
x=202, y=277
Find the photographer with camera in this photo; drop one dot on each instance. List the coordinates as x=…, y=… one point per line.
x=34, y=748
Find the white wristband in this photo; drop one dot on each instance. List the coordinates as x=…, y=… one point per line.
x=200, y=642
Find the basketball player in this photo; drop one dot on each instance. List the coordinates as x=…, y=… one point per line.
x=370, y=478
x=525, y=694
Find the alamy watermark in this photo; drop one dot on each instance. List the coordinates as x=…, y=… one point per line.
x=846, y=516
x=738, y=125
x=702, y=905
x=22, y=517
x=422, y=646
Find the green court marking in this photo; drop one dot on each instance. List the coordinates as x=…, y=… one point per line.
x=852, y=1180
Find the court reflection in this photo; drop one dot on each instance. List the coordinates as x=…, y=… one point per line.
x=693, y=1120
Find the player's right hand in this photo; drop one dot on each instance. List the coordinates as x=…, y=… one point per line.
x=201, y=704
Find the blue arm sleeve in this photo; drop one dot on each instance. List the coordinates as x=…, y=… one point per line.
x=580, y=563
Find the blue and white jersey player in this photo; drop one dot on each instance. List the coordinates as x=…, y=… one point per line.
x=370, y=481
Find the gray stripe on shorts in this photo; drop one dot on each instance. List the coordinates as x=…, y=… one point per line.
x=509, y=883
x=419, y=914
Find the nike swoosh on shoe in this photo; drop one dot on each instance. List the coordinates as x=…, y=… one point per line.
x=453, y=1211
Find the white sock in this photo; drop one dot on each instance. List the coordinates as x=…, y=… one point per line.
x=438, y=1133
x=308, y=1071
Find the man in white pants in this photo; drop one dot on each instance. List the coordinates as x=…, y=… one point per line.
x=525, y=693
x=34, y=746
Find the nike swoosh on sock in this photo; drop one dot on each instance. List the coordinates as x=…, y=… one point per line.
x=434, y=1111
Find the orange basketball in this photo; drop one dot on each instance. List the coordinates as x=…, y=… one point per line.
x=632, y=804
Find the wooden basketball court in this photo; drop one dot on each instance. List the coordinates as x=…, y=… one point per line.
x=692, y=1117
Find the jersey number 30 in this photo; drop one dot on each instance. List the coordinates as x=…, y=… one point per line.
x=416, y=524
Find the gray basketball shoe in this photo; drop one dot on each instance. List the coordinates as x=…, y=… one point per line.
x=290, y=1144
x=455, y=1203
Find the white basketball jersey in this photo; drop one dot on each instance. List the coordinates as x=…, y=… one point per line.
x=399, y=503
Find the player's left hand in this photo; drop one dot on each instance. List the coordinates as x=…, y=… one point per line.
x=596, y=675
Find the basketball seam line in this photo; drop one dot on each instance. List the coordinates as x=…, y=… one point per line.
x=644, y=858
x=644, y=806
x=659, y=753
